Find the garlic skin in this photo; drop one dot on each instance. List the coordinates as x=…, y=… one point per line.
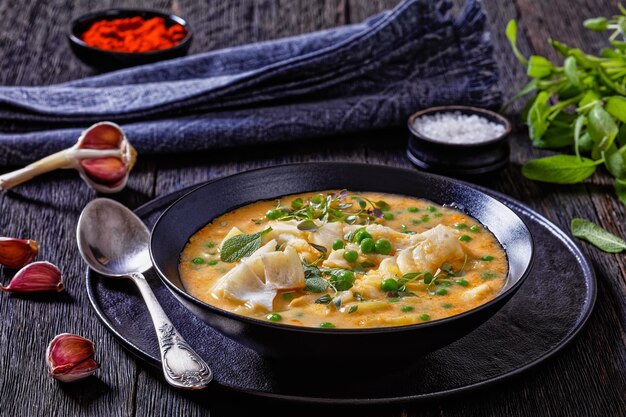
x=70, y=357
x=15, y=253
x=36, y=277
x=102, y=156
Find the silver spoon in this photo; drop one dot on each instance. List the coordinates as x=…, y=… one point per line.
x=114, y=242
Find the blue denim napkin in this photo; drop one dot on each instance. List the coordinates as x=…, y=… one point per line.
x=339, y=81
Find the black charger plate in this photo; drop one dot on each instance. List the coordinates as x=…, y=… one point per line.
x=538, y=321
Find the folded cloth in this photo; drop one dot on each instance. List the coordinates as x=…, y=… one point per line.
x=344, y=80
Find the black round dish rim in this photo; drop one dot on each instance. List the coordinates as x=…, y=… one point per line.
x=508, y=126
x=589, y=301
x=75, y=38
x=304, y=329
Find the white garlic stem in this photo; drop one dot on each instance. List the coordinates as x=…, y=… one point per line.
x=65, y=159
x=57, y=160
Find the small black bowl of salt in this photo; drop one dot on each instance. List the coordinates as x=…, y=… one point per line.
x=458, y=140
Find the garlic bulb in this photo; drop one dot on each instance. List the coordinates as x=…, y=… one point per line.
x=102, y=156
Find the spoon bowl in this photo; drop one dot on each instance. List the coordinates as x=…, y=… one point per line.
x=114, y=242
x=112, y=239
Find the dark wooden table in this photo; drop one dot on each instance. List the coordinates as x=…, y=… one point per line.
x=587, y=379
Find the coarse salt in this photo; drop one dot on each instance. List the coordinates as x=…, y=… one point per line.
x=457, y=128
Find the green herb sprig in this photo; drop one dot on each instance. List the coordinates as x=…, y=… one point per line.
x=580, y=106
x=241, y=246
x=331, y=207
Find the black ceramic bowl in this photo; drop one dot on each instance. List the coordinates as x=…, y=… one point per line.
x=459, y=159
x=194, y=210
x=109, y=60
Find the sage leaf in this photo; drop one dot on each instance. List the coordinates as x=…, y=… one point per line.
x=241, y=246
x=316, y=284
x=601, y=127
x=560, y=169
x=307, y=226
x=597, y=236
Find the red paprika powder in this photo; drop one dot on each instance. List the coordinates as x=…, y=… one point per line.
x=133, y=34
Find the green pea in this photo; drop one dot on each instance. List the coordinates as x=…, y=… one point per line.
x=383, y=246
x=475, y=229
x=345, y=276
x=432, y=209
x=210, y=245
x=441, y=291
x=406, y=309
x=274, y=317
x=415, y=221
x=424, y=317
x=445, y=283
x=438, y=214
x=425, y=218
x=360, y=235
x=351, y=255
x=213, y=262
x=327, y=325
x=487, y=258
x=460, y=226
x=462, y=282
x=388, y=216
x=393, y=300
x=197, y=261
x=338, y=244
x=465, y=238
x=413, y=209
x=274, y=214
x=367, y=245
x=288, y=296
x=389, y=284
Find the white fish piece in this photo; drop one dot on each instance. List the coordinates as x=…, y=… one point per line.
x=283, y=270
x=232, y=233
x=327, y=233
x=336, y=260
x=434, y=247
x=254, y=260
x=389, y=268
x=285, y=231
x=476, y=293
x=242, y=284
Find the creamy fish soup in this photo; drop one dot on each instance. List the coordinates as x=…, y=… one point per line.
x=345, y=260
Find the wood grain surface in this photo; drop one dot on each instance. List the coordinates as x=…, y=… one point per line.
x=587, y=379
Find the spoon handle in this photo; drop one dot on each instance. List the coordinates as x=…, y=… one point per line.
x=183, y=368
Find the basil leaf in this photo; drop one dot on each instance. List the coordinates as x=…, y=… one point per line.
x=597, y=236
x=240, y=246
x=620, y=190
x=511, y=35
x=602, y=127
x=560, y=169
x=598, y=24
x=615, y=161
x=537, y=114
x=539, y=67
x=616, y=107
x=555, y=137
x=570, y=71
x=307, y=226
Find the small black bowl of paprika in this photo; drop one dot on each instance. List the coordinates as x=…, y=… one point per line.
x=119, y=38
